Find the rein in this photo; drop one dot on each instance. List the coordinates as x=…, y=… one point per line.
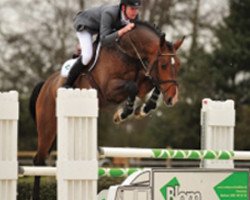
x=157, y=83
x=138, y=54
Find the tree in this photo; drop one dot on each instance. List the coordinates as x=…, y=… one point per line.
x=36, y=41
x=232, y=54
x=230, y=65
x=37, y=45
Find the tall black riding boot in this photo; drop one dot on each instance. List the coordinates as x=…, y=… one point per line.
x=75, y=71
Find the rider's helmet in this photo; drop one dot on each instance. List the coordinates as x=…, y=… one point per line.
x=134, y=3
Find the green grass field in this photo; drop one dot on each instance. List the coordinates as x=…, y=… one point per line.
x=48, y=187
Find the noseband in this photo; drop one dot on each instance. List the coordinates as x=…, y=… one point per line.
x=173, y=70
x=158, y=82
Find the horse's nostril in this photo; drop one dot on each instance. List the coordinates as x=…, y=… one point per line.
x=169, y=101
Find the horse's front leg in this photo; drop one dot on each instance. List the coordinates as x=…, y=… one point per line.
x=128, y=108
x=149, y=105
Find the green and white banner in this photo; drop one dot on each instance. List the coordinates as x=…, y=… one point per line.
x=200, y=185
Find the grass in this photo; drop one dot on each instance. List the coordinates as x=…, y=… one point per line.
x=48, y=187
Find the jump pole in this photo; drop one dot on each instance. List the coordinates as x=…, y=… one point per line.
x=52, y=171
x=174, y=154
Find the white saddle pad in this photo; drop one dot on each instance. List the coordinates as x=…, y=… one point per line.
x=69, y=63
x=67, y=66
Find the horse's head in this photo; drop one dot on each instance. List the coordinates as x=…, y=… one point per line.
x=165, y=70
x=157, y=57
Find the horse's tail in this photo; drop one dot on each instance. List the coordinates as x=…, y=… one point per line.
x=33, y=98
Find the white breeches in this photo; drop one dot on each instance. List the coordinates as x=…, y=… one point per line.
x=85, y=39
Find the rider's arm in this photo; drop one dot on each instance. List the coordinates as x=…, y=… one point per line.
x=107, y=32
x=125, y=29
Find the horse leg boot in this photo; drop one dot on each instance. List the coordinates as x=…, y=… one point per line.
x=128, y=108
x=75, y=71
x=151, y=104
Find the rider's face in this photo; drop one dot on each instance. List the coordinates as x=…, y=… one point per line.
x=131, y=12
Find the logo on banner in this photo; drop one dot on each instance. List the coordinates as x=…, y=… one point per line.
x=172, y=191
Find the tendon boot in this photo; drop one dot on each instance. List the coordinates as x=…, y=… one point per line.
x=75, y=71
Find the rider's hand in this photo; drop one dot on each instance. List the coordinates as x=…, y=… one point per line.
x=126, y=29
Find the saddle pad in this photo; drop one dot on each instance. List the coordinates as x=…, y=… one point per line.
x=67, y=66
x=69, y=63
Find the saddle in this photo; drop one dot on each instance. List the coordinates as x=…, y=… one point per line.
x=69, y=63
x=96, y=51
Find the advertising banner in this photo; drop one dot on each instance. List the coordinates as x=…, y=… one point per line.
x=200, y=184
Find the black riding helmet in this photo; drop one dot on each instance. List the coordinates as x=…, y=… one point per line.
x=135, y=3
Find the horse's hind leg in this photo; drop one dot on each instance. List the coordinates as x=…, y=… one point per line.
x=123, y=113
x=39, y=160
x=44, y=147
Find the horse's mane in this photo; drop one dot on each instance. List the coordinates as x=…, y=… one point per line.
x=156, y=30
x=152, y=27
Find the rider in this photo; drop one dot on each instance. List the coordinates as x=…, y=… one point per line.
x=110, y=22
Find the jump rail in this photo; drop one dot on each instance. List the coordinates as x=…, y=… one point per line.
x=52, y=171
x=174, y=154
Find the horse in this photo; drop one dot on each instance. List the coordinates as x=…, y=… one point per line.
x=139, y=62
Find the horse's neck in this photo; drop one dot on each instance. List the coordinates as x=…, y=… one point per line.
x=139, y=42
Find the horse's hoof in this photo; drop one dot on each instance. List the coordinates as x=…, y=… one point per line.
x=139, y=113
x=117, y=117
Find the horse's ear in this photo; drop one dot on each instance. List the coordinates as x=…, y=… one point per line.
x=178, y=43
x=162, y=39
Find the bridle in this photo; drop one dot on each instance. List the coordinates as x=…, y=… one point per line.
x=148, y=69
x=172, y=67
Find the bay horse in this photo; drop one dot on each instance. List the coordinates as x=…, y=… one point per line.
x=141, y=61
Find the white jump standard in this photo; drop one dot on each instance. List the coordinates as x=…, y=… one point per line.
x=9, y=108
x=77, y=166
